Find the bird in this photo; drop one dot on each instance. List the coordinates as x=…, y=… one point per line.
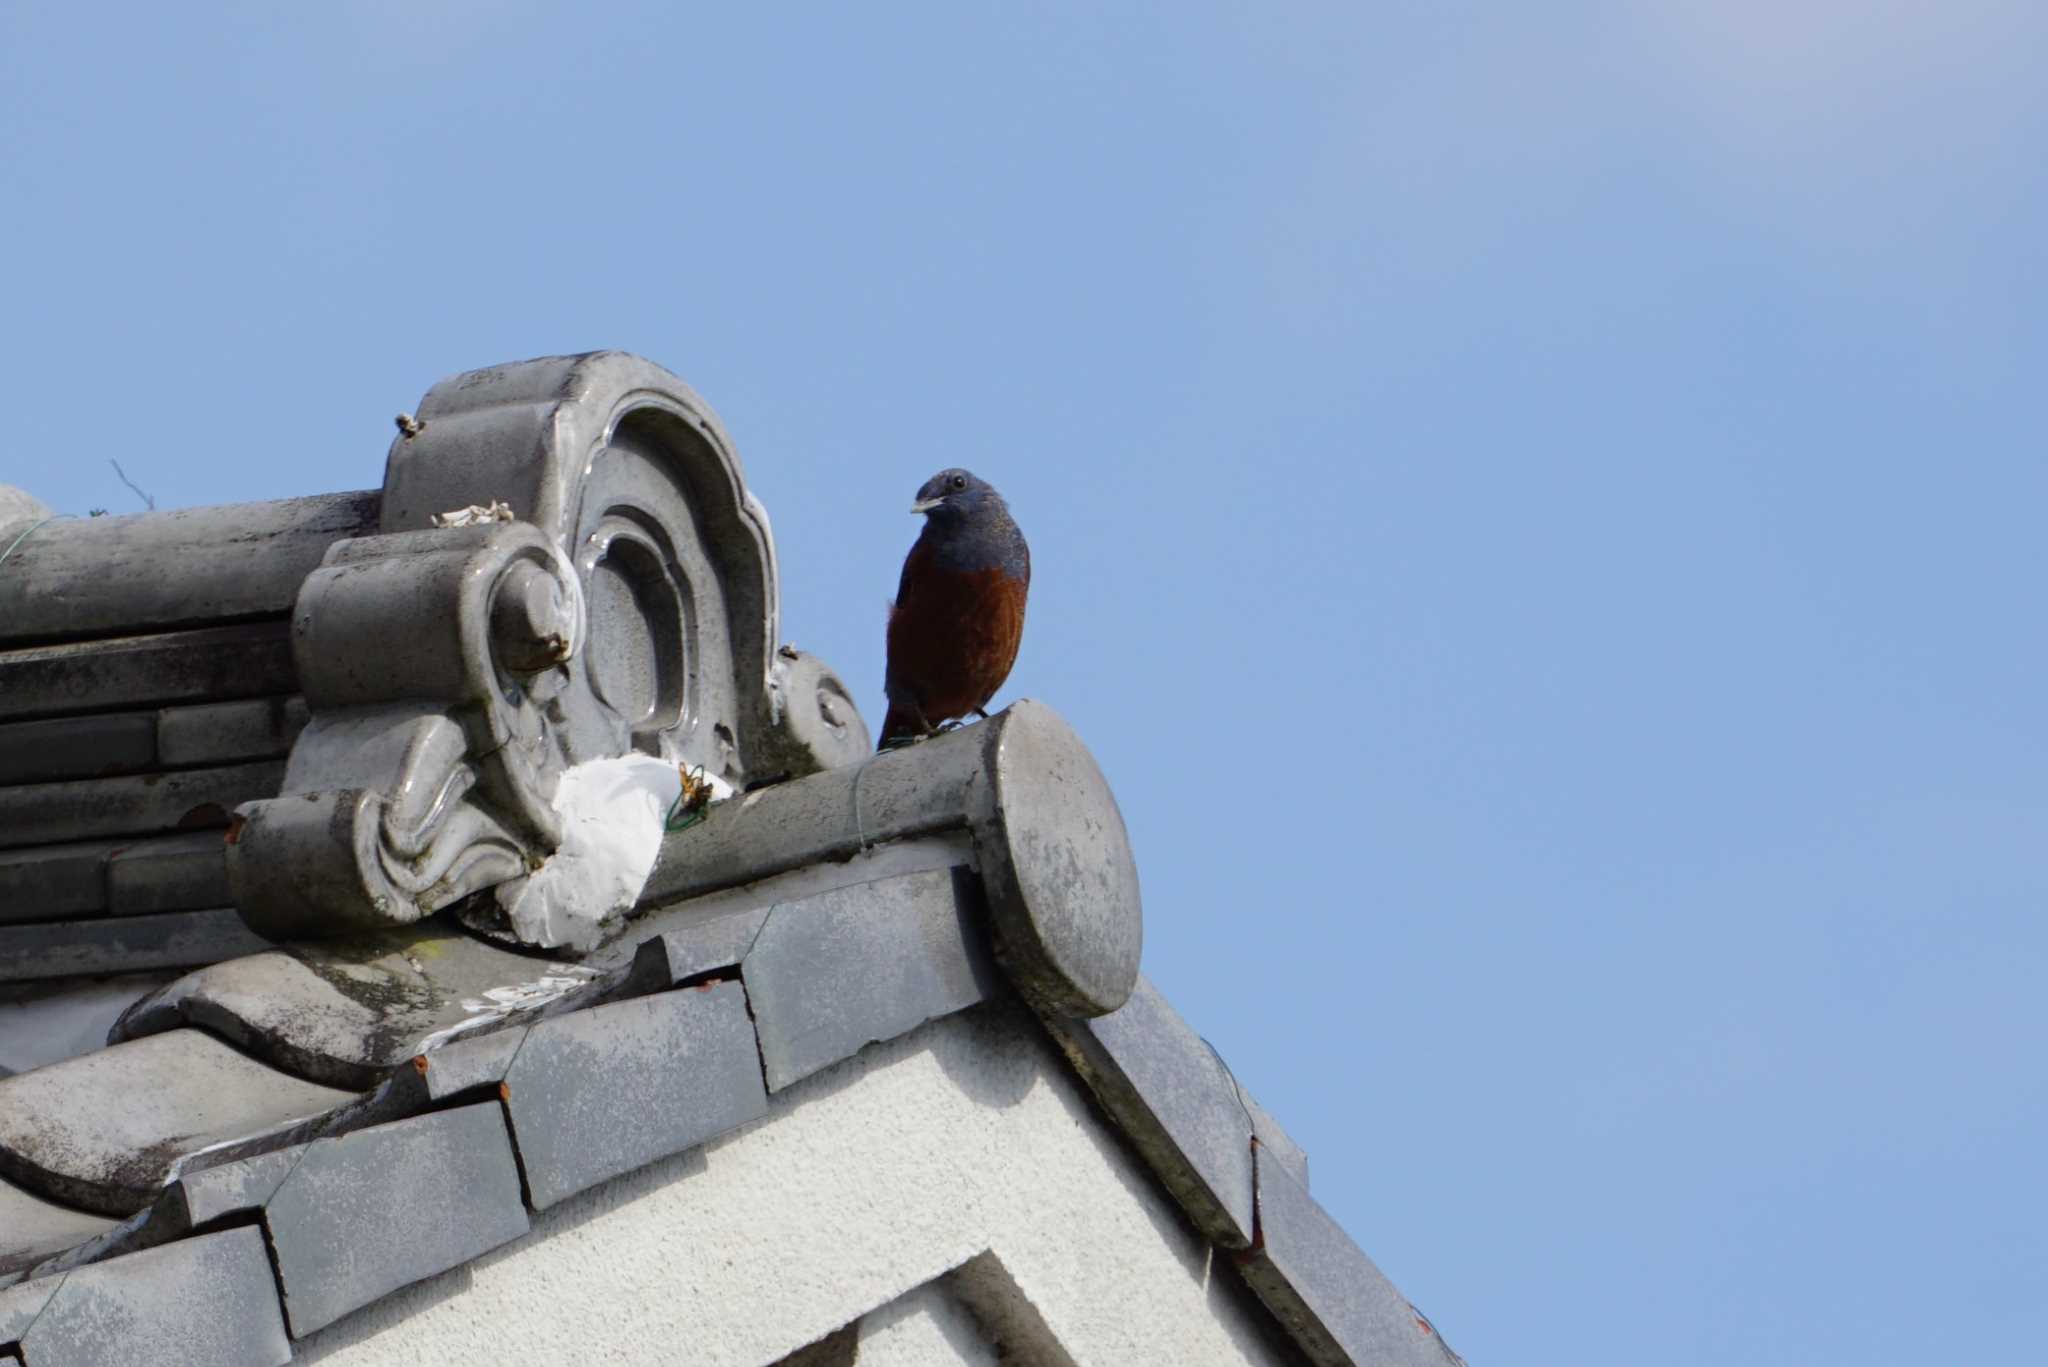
x=959, y=611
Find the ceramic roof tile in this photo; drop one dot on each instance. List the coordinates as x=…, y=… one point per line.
x=1331, y=1297
x=600, y=1092
x=1173, y=1098
x=208, y=1299
x=104, y=1130
x=123, y=944
x=426, y=1194
x=32, y=1228
x=830, y=973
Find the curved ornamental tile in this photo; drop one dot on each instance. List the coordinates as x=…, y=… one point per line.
x=344, y=1012
x=567, y=568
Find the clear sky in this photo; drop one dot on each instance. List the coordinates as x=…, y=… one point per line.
x=1535, y=508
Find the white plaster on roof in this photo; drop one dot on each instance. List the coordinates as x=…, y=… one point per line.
x=925, y=1328
x=496, y=1003
x=867, y=1180
x=612, y=812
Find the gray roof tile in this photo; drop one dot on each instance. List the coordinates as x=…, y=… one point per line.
x=1331, y=1297
x=122, y=944
x=32, y=1228
x=109, y=574
x=841, y=969
x=48, y=882
x=1275, y=1144
x=21, y=1303
x=920, y=790
x=100, y=744
x=209, y=1299
x=185, y=872
x=103, y=1130
x=181, y=872
x=202, y=665
x=76, y=747
x=188, y=1203
x=423, y=1195
x=137, y=804
x=600, y=1092
x=245, y=1184
x=215, y=733
x=673, y=957
x=343, y=1013
x=1062, y=885
x=1173, y=1098
x=47, y=1022
x=469, y=1061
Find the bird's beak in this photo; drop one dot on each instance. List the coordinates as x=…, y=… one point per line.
x=925, y=505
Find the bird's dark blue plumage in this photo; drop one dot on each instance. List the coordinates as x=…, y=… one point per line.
x=959, y=611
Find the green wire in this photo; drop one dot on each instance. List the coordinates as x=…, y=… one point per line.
x=669, y=822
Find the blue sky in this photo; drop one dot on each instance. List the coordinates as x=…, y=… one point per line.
x=1536, y=509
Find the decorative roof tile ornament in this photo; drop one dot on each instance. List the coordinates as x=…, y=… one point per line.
x=456, y=664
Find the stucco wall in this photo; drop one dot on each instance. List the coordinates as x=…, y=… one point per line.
x=925, y=1328
x=967, y=1137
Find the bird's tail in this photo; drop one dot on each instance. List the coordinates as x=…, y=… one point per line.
x=898, y=728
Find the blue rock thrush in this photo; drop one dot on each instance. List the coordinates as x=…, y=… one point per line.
x=959, y=610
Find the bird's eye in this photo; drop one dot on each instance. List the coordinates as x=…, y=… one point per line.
x=959, y=481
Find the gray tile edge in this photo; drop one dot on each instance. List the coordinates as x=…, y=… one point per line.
x=1274, y=1143
x=1274, y=1156
x=1133, y=1114
x=1304, y=1310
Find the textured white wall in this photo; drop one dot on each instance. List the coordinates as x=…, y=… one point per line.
x=864, y=1182
x=926, y=1328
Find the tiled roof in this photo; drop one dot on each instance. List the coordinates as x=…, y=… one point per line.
x=443, y=1157
x=384, y=1078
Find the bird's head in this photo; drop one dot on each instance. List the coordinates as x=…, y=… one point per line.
x=953, y=496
